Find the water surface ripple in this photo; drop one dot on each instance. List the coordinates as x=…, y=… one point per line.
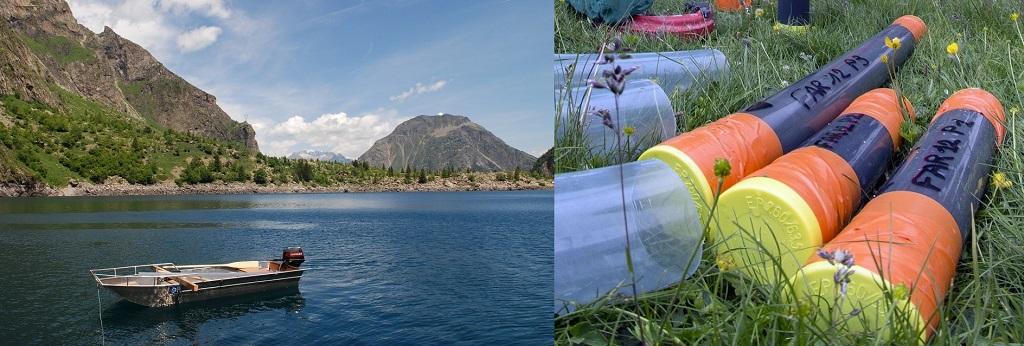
x=385, y=268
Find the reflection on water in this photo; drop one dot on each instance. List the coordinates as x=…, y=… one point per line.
x=262, y=224
x=45, y=205
x=384, y=268
x=106, y=225
x=136, y=324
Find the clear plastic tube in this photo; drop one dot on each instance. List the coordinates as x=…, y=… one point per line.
x=643, y=105
x=665, y=232
x=671, y=70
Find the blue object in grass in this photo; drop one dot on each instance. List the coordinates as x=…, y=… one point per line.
x=795, y=12
x=610, y=11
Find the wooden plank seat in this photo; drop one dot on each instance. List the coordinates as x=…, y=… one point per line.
x=180, y=279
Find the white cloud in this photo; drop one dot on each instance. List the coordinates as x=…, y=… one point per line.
x=138, y=21
x=198, y=38
x=336, y=132
x=537, y=152
x=419, y=88
x=91, y=14
x=212, y=8
x=149, y=23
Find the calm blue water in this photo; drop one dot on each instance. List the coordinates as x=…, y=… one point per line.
x=385, y=268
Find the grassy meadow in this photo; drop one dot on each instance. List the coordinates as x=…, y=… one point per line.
x=986, y=302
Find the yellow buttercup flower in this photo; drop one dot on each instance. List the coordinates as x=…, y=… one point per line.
x=1014, y=16
x=1000, y=181
x=725, y=263
x=892, y=42
x=900, y=292
x=758, y=13
x=953, y=48
x=885, y=59
x=629, y=130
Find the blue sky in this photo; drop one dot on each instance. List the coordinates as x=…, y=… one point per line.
x=338, y=75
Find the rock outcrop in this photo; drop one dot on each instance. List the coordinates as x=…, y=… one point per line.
x=545, y=163
x=159, y=94
x=14, y=182
x=21, y=72
x=445, y=141
x=44, y=45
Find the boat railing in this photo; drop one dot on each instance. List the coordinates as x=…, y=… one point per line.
x=129, y=274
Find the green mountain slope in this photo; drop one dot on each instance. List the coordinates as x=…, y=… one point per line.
x=108, y=69
x=42, y=147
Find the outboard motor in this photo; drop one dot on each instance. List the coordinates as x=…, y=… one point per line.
x=292, y=258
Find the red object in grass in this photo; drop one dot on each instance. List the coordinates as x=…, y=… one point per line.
x=691, y=25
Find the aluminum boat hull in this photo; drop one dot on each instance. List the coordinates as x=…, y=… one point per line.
x=171, y=293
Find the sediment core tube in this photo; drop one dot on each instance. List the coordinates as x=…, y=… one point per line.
x=909, y=238
x=764, y=131
x=643, y=106
x=590, y=233
x=776, y=217
x=671, y=70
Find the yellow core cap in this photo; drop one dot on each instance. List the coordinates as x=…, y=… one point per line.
x=763, y=225
x=689, y=172
x=814, y=286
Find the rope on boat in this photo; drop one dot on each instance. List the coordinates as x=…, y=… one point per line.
x=99, y=309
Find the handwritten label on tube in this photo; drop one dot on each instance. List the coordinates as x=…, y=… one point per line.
x=822, y=84
x=943, y=153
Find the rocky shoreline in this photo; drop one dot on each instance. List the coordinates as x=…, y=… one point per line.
x=221, y=188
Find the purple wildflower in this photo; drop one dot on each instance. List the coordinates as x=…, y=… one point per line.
x=844, y=257
x=614, y=79
x=845, y=271
x=596, y=84
x=848, y=260
x=606, y=117
x=826, y=255
x=840, y=274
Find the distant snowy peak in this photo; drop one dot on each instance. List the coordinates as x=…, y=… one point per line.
x=317, y=155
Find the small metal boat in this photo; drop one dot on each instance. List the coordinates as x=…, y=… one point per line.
x=166, y=284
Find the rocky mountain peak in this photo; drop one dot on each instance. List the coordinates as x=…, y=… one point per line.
x=131, y=61
x=43, y=16
x=435, y=142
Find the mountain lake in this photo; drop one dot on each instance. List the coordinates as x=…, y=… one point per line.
x=383, y=268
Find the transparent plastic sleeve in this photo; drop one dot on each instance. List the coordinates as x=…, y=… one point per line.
x=671, y=70
x=665, y=232
x=643, y=105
